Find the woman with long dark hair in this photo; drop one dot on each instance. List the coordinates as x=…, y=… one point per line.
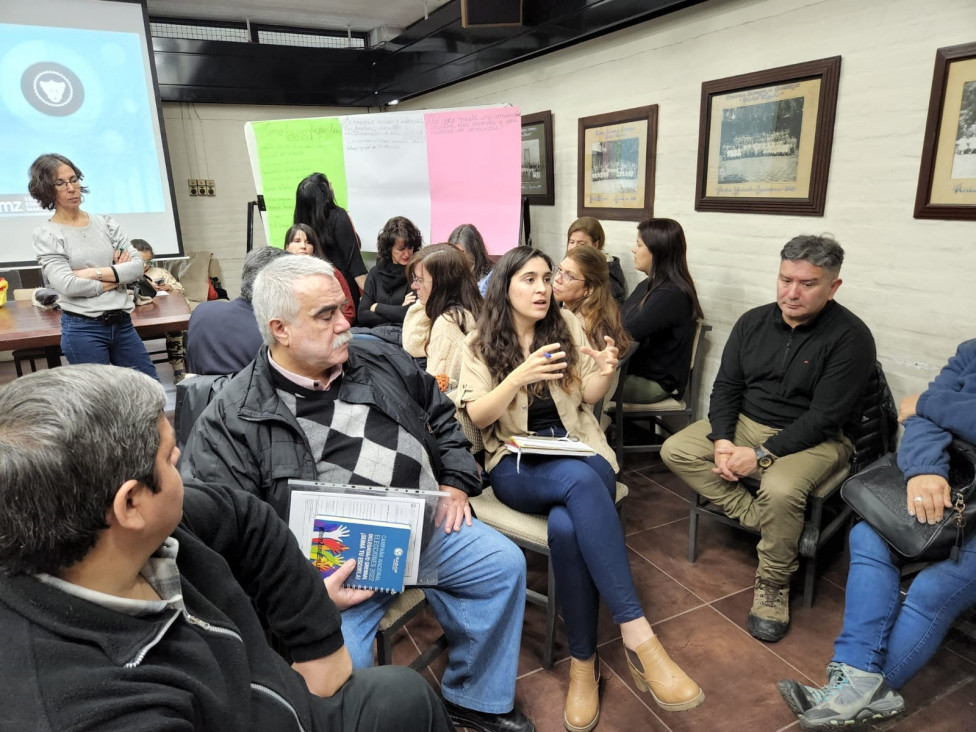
x=468, y=240
x=528, y=370
x=316, y=206
x=387, y=294
x=89, y=261
x=660, y=314
x=301, y=239
x=447, y=308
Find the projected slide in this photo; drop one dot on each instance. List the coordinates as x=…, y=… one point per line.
x=84, y=92
x=438, y=168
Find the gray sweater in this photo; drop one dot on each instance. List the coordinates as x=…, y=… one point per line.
x=61, y=249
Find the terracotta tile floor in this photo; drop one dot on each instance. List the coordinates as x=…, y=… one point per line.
x=699, y=610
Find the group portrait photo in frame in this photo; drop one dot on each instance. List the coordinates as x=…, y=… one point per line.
x=537, y=172
x=947, y=177
x=615, y=171
x=764, y=140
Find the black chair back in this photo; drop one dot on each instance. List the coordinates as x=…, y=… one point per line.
x=873, y=428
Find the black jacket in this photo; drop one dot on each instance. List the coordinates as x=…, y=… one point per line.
x=806, y=381
x=248, y=439
x=70, y=664
x=386, y=285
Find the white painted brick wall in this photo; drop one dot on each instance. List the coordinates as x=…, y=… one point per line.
x=911, y=281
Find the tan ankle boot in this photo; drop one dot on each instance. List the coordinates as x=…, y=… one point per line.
x=654, y=671
x=583, y=700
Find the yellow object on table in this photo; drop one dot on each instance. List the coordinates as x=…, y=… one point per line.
x=3, y=292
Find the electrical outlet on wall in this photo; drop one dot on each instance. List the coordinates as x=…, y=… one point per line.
x=208, y=188
x=194, y=185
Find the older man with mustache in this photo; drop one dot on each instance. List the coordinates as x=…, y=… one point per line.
x=317, y=405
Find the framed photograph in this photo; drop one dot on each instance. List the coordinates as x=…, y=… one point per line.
x=764, y=140
x=537, y=174
x=615, y=173
x=947, y=179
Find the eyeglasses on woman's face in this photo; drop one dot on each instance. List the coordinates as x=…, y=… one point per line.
x=564, y=276
x=60, y=183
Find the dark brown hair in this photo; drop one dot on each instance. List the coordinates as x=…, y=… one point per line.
x=591, y=227
x=310, y=236
x=453, y=288
x=42, y=172
x=497, y=342
x=665, y=240
x=399, y=227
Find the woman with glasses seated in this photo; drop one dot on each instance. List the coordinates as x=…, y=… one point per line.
x=587, y=232
x=581, y=283
x=301, y=239
x=89, y=261
x=387, y=293
x=661, y=314
x=527, y=369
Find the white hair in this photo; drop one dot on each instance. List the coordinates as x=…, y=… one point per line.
x=274, y=295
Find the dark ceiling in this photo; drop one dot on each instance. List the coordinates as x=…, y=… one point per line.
x=430, y=54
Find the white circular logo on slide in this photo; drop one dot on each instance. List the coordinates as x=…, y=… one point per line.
x=398, y=552
x=52, y=88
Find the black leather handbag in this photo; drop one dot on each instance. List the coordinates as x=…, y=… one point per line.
x=877, y=494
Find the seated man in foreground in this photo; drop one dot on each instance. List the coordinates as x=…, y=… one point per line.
x=118, y=610
x=885, y=640
x=317, y=405
x=792, y=374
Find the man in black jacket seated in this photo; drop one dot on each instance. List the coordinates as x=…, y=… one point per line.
x=126, y=604
x=792, y=373
x=317, y=405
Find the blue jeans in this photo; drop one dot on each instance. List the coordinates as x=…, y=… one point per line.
x=92, y=341
x=881, y=633
x=479, y=600
x=586, y=542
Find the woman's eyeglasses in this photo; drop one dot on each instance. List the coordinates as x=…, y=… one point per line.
x=418, y=280
x=72, y=181
x=561, y=274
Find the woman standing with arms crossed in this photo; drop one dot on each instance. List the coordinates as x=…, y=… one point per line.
x=89, y=261
x=527, y=370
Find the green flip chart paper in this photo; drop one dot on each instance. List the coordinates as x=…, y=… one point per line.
x=290, y=150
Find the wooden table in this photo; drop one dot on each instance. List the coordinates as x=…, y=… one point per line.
x=24, y=326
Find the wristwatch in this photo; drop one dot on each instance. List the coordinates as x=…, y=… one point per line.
x=764, y=459
x=98, y=274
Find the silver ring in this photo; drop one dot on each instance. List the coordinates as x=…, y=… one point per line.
x=918, y=499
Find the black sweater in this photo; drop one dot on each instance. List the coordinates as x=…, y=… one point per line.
x=68, y=663
x=805, y=381
x=386, y=285
x=664, y=328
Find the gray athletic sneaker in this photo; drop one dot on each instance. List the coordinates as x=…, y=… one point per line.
x=852, y=697
x=800, y=697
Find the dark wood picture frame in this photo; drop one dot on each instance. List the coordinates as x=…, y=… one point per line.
x=937, y=197
x=624, y=197
x=761, y=163
x=538, y=189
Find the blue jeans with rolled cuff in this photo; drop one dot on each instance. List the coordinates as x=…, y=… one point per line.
x=87, y=340
x=586, y=541
x=884, y=634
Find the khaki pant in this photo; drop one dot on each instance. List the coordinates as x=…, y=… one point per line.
x=776, y=510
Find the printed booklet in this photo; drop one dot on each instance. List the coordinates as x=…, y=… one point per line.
x=379, y=548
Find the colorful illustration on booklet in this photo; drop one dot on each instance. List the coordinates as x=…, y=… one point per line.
x=327, y=546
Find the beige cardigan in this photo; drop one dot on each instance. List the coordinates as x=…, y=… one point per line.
x=576, y=416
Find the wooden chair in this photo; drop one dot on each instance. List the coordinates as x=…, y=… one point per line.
x=872, y=433
x=669, y=414
x=531, y=532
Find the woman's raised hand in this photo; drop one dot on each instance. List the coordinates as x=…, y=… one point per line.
x=546, y=364
x=606, y=359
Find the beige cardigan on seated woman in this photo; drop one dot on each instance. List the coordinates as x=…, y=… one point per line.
x=576, y=416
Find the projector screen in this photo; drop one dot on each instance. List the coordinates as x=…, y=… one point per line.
x=77, y=78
